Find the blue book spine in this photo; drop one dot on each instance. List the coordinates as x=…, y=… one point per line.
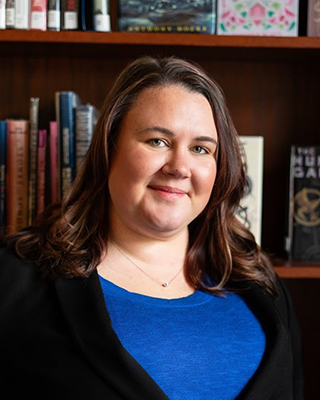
x=67, y=101
x=3, y=165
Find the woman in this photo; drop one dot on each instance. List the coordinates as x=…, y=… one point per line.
x=143, y=284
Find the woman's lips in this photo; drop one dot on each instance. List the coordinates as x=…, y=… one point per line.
x=168, y=192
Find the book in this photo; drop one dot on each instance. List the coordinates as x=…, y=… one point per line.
x=303, y=220
x=41, y=170
x=22, y=14
x=57, y=114
x=10, y=14
x=250, y=212
x=38, y=14
x=313, y=19
x=86, y=15
x=267, y=18
x=17, y=174
x=167, y=16
x=54, y=15
x=33, y=137
x=53, y=153
x=68, y=101
x=86, y=118
x=3, y=172
x=101, y=16
x=2, y=14
x=69, y=14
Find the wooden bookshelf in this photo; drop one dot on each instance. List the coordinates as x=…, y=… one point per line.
x=159, y=39
x=298, y=272
x=272, y=88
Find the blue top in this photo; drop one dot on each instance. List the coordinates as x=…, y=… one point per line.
x=199, y=347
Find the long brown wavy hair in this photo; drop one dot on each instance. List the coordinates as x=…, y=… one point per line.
x=68, y=239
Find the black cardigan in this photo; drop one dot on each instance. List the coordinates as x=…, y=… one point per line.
x=56, y=342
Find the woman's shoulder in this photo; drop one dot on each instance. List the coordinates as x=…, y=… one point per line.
x=14, y=271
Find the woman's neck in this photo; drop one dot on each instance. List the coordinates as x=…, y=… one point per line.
x=149, y=266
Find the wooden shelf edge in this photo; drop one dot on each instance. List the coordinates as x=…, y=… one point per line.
x=298, y=272
x=154, y=39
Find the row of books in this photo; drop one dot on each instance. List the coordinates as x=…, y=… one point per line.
x=222, y=17
x=302, y=238
x=55, y=15
x=38, y=165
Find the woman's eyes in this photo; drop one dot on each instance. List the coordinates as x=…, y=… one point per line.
x=163, y=143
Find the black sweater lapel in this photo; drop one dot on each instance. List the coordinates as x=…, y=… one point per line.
x=84, y=309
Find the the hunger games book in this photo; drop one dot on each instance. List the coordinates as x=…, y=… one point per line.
x=303, y=225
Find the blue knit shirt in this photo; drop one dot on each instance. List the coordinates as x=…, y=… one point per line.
x=200, y=347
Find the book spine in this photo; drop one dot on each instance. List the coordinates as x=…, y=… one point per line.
x=41, y=170
x=2, y=14
x=101, y=16
x=67, y=137
x=3, y=167
x=22, y=14
x=69, y=14
x=250, y=212
x=32, y=197
x=38, y=15
x=53, y=142
x=54, y=15
x=10, y=14
x=57, y=114
x=313, y=24
x=290, y=205
x=17, y=174
x=84, y=131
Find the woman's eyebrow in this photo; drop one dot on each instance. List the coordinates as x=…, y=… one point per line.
x=168, y=132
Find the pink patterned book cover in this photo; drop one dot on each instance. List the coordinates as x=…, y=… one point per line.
x=258, y=17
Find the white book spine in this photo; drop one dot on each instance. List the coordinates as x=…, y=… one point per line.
x=2, y=14
x=54, y=15
x=251, y=204
x=101, y=16
x=22, y=13
x=10, y=14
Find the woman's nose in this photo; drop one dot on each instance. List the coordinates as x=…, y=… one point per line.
x=177, y=164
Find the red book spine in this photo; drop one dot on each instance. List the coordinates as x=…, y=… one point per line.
x=53, y=143
x=41, y=170
x=17, y=175
x=38, y=14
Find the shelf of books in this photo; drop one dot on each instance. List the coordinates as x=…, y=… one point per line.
x=159, y=39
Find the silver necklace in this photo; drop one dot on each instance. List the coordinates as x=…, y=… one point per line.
x=163, y=284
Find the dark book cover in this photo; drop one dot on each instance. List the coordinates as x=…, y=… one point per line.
x=303, y=240
x=68, y=101
x=33, y=139
x=3, y=173
x=167, y=16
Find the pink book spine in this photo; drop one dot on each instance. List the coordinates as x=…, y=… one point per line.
x=53, y=161
x=38, y=14
x=41, y=170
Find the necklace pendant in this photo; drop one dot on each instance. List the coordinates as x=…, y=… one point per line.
x=165, y=284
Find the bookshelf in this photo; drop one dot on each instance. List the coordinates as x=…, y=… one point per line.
x=271, y=85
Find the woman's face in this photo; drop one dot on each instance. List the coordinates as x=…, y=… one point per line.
x=164, y=165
